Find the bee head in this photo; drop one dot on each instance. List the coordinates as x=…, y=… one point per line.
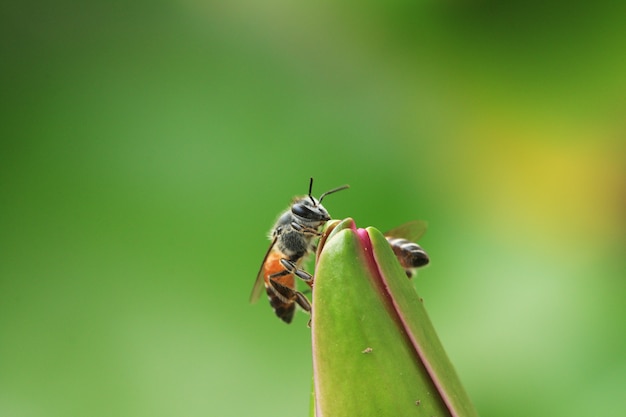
x=308, y=210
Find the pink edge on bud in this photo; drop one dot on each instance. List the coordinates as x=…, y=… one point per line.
x=396, y=312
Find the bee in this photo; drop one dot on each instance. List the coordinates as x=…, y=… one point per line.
x=402, y=241
x=293, y=238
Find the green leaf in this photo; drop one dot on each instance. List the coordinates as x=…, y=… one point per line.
x=375, y=352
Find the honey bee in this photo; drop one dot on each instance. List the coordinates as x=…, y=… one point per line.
x=293, y=238
x=402, y=241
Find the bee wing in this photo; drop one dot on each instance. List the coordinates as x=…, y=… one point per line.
x=259, y=284
x=410, y=231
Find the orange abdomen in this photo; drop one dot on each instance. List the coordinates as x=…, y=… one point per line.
x=273, y=266
x=284, y=309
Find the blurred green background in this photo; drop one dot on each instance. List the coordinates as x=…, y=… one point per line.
x=147, y=148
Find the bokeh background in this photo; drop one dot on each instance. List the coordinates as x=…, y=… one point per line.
x=147, y=148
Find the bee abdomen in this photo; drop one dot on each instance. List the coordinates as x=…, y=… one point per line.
x=284, y=309
x=410, y=254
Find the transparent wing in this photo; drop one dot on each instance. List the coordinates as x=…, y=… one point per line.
x=259, y=284
x=410, y=231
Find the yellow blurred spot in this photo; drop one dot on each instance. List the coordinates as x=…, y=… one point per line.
x=548, y=184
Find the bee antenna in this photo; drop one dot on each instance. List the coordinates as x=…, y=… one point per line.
x=334, y=190
x=311, y=190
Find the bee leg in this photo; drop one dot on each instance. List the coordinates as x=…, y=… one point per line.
x=283, y=293
x=305, y=230
x=291, y=268
x=303, y=302
x=286, y=294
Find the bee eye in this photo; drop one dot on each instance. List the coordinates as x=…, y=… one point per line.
x=310, y=213
x=302, y=211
